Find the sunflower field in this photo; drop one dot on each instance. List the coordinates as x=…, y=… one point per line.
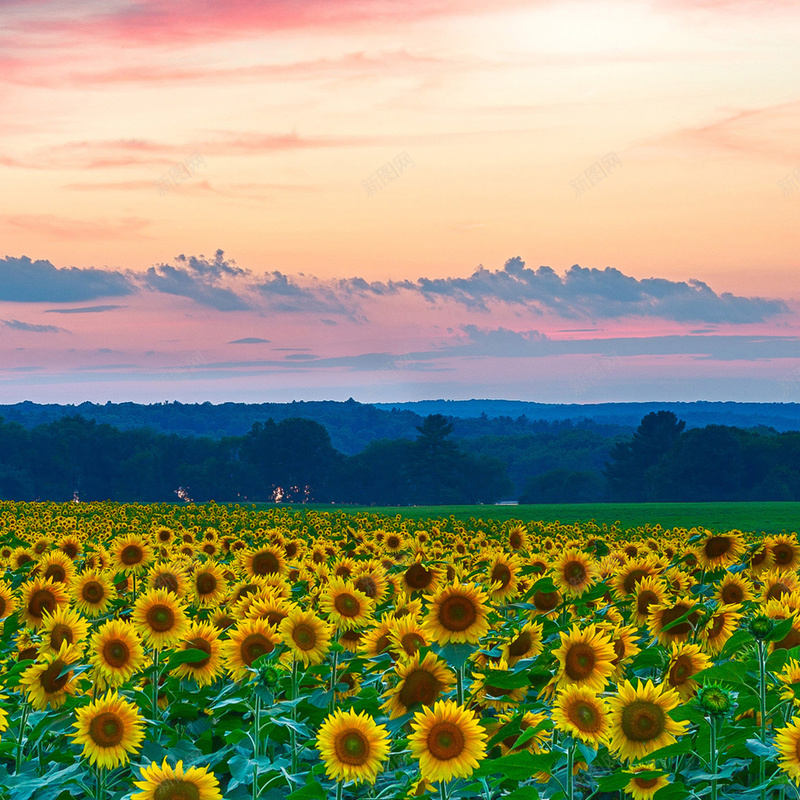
x=201, y=652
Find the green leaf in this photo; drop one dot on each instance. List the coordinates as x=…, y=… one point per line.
x=504, y=679
x=311, y=791
x=758, y=748
x=191, y=655
x=740, y=639
x=518, y=765
x=456, y=655
x=781, y=630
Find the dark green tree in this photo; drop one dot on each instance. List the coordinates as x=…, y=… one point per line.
x=630, y=470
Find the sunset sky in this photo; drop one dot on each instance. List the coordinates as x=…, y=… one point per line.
x=268, y=200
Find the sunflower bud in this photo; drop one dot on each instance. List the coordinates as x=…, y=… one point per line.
x=761, y=626
x=269, y=676
x=714, y=700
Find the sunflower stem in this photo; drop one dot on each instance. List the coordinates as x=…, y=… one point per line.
x=714, y=763
x=339, y=790
x=156, y=678
x=570, y=762
x=460, y=684
x=23, y=724
x=334, y=678
x=292, y=732
x=762, y=698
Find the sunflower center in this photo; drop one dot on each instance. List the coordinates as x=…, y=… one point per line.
x=252, y=647
x=23, y=558
x=68, y=549
x=644, y=600
x=777, y=590
x=265, y=563
x=501, y=574
x=164, y=535
x=585, y=716
x=41, y=601
x=717, y=626
x=457, y=613
x=632, y=578
x=619, y=651
x=645, y=783
x=168, y=581
x=56, y=572
x=49, y=679
x=574, y=573
x=545, y=601
x=131, y=555
x=106, y=729
x=304, y=637
x=393, y=542
x=352, y=747
x=732, y=594
x=420, y=686
x=366, y=584
x=445, y=741
x=206, y=583
x=643, y=721
x=116, y=653
x=60, y=633
x=784, y=554
x=758, y=557
x=515, y=540
x=717, y=546
x=681, y=671
x=382, y=644
x=160, y=618
x=198, y=643
x=412, y=642
x=93, y=592
x=347, y=605
x=579, y=661
x=417, y=577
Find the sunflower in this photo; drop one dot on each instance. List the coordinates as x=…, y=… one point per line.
x=407, y=635
x=92, y=593
x=352, y=746
x=776, y=583
x=160, y=618
x=641, y=787
x=110, y=729
x=377, y=641
x=546, y=603
x=790, y=674
x=63, y=625
x=581, y=713
x=504, y=577
x=586, y=657
x=526, y=644
x=347, y=608
x=250, y=640
x=170, y=576
x=761, y=559
x=720, y=628
x=640, y=721
x=371, y=580
x=630, y=573
x=734, y=589
x=662, y=619
x=168, y=783
x=419, y=578
x=457, y=613
x=39, y=597
x=785, y=552
x=519, y=724
x=447, y=740
x=20, y=556
x=685, y=661
x=8, y=603
x=263, y=561
x=131, y=553
x=70, y=545
x=422, y=681
x=116, y=652
x=518, y=538
x=163, y=535
x=788, y=743
x=573, y=572
x=720, y=549
x=306, y=635
x=57, y=566
x=49, y=681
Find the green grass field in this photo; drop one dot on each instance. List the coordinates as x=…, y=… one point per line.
x=769, y=517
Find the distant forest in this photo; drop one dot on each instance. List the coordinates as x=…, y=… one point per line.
x=356, y=453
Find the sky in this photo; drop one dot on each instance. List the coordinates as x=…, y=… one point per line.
x=263, y=200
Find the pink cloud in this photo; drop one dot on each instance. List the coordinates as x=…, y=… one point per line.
x=66, y=229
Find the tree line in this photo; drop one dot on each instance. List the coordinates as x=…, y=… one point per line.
x=293, y=460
